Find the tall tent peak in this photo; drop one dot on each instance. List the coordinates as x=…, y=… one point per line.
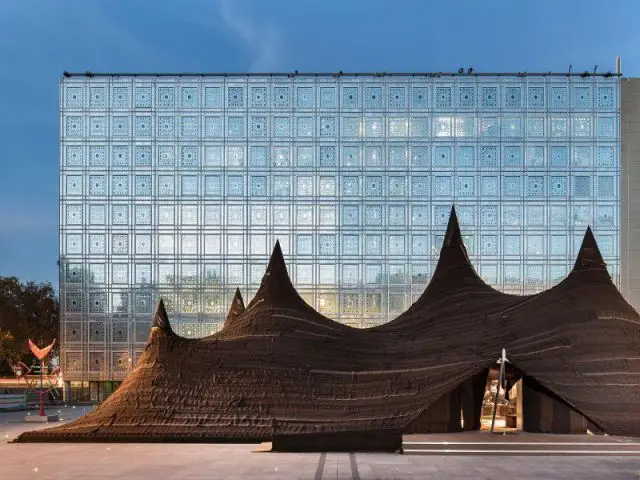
x=276, y=273
x=276, y=287
x=589, y=256
x=453, y=270
x=453, y=237
x=276, y=261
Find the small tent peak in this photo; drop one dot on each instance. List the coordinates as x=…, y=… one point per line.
x=237, y=306
x=589, y=256
x=161, y=319
x=237, y=299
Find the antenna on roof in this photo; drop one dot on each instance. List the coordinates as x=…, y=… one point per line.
x=595, y=69
x=570, y=68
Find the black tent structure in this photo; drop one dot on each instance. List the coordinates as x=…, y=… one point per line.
x=280, y=371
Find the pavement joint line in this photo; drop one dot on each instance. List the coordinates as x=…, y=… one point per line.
x=320, y=468
x=355, y=475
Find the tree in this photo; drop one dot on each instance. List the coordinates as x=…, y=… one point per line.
x=27, y=310
x=7, y=348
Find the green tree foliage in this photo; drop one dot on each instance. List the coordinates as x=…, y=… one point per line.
x=27, y=310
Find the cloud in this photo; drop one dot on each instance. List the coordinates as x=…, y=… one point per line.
x=263, y=42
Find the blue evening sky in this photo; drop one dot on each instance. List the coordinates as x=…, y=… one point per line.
x=39, y=39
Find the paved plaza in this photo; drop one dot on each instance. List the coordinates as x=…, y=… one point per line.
x=186, y=461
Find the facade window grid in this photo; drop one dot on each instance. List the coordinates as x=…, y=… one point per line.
x=383, y=111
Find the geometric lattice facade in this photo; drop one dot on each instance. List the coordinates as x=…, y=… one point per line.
x=178, y=186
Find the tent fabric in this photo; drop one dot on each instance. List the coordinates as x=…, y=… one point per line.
x=279, y=368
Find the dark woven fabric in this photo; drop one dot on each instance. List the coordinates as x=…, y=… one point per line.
x=280, y=368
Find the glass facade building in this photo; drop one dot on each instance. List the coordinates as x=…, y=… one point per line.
x=178, y=186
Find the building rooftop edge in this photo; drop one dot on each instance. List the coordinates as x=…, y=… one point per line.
x=344, y=74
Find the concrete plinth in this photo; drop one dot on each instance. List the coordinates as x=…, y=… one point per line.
x=43, y=418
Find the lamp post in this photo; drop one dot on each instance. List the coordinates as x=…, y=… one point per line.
x=502, y=361
x=41, y=392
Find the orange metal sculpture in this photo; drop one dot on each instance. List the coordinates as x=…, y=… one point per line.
x=41, y=353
